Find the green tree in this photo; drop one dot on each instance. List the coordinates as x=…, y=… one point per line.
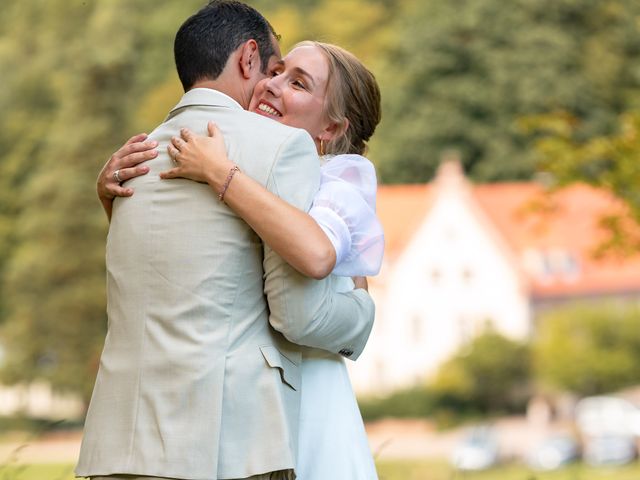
x=29, y=103
x=91, y=67
x=80, y=77
x=588, y=349
x=490, y=374
x=465, y=71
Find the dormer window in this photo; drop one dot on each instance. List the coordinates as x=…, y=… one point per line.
x=467, y=276
x=551, y=265
x=436, y=276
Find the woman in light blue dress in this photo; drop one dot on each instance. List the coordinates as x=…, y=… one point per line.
x=328, y=92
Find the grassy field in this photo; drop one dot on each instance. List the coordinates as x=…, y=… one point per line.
x=37, y=472
x=429, y=470
x=387, y=470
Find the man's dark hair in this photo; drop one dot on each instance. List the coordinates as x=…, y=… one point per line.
x=206, y=40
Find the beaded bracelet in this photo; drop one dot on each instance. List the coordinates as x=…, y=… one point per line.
x=232, y=172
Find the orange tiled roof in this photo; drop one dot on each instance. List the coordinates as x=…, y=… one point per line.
x=401, y=209
x=559, y=233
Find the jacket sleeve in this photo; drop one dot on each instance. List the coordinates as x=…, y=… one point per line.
x=307, y=311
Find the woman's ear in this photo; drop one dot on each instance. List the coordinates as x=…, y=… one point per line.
x=249, y=58
x=334, y=130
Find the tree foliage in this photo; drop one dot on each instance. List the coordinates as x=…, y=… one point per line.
x=490, y=374
x=74, y=102
x=465, y=72
x=609, y=162
x=80, y=77
x=588, y=349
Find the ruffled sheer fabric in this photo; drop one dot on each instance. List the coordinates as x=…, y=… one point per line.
x=345, y=209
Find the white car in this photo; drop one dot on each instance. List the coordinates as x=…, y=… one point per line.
x=607, y=415
x=610, y=450
x=477, y=451
x=554, y=452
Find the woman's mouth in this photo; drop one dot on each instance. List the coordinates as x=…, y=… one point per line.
x=268, y=110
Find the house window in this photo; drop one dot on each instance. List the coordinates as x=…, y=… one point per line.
x=436, y=276
x=563, y=264
x=551, y=265
x=465, y=329
x=467, y=275
x=417, y=327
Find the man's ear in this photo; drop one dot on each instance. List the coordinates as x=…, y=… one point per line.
x=249, y=58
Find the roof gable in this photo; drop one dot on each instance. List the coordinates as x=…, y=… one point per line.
x=553, y=236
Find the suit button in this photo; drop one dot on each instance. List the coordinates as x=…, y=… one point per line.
x=346, y=352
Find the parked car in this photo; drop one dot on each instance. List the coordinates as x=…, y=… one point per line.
x=607, y=416
x=610, y=450
x=554, y=452
x=478, y=450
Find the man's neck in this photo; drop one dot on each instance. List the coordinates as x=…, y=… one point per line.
x=228, y=88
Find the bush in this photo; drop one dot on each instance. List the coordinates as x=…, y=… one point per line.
x=415, y=402
x=489, y=375
x=588, y=349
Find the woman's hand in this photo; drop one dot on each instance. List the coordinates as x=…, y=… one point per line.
x=360, y=282
x=126, y=162
x=199, y=158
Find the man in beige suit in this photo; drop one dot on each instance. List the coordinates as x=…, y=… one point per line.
x=199, y=378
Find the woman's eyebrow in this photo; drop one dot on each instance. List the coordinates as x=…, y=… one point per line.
x=300, y=71
x=304, y=73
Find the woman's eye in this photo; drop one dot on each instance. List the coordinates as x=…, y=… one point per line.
x=275, y=73
x=299, y=84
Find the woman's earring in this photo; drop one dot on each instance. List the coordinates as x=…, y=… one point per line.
x=322, y=146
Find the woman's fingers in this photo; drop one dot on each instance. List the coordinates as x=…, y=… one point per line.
x=212, y=128
x=133, y=159
x=125, y=161
x=140, y=137
x=173, y=173
x=128, y=173
x=177, y=143
x=134, y=153
x=117, y=191
x=186, y=134
x=173, y=152
x=360, y=282
x=183, y=169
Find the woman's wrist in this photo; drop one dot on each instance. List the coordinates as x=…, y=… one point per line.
x=224, y=188
x=217, y=174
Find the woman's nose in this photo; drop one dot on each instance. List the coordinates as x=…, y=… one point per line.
x=274, y=86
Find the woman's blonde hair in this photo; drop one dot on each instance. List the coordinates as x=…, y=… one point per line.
x=353, y=95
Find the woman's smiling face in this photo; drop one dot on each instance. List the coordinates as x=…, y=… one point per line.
x=295, y=92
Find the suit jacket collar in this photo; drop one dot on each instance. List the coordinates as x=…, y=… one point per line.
x=204, y=96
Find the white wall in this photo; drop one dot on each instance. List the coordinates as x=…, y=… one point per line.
x=451, y=279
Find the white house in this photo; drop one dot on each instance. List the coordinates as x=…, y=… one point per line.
x=459, y=256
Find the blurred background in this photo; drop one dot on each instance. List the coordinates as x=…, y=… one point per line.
x=507, y=338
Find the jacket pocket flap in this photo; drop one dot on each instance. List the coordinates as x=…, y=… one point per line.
x=289, y=371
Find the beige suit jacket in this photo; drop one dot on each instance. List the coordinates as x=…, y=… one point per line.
x=199, y=378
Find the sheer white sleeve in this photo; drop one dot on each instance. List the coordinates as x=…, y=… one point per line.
x=345, y=209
